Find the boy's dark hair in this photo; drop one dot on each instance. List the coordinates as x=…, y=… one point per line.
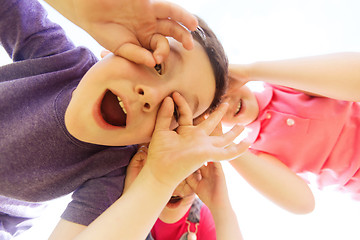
x=218, y=59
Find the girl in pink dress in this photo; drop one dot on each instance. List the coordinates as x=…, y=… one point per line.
x=185, y=216
x=309, y=126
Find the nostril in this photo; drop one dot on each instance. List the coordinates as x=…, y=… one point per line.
x=147, y=106
x=140, y=91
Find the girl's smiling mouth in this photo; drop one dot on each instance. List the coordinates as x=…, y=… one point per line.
x=112, y=110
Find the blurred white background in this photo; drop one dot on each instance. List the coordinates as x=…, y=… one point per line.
x=256, y=30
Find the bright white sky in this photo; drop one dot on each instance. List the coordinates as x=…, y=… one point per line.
x=256, y=30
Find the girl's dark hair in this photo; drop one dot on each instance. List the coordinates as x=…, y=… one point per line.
x=218, y=59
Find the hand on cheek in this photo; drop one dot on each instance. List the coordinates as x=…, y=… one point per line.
x=136, y=164
x=174, y=155
x=210, y=185
x=145, y=33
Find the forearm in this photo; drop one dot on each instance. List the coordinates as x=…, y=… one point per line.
x=333, y=75
x=65, y=8
x=226, y=223
x=134, y=214
x=275, y=181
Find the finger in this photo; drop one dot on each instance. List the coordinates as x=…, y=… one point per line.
x=160, y=45
x=136, y=53
x=216, y=167
x=139, y=158
x=229, y=137
x=199, y=119
x=217, y=131
x=193, y=180
x=165, y=115
x=214, y=118
x=171, y=10
x=143, y=147
x=229, y=153
x=197, y=175
x=204, y=170
x=186, y=116
x=104, y=53
x=168, y=27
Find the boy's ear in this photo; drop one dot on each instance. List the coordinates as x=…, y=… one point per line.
x=104, y=53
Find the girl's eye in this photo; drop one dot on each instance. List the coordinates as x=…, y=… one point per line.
x=158, y=69
x=176, y=113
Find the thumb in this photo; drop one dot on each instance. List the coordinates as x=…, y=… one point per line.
x=193, y=180
x=164, y=117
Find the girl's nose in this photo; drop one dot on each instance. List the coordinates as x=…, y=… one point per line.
x=150, y=97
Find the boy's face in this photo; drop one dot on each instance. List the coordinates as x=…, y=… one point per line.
x=243, y=106
x=117, y=101
x=180, y=202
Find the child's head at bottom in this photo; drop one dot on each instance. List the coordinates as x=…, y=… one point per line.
x=180, y=202
x=116, y=101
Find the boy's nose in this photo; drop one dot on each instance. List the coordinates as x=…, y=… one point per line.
x=150, y=97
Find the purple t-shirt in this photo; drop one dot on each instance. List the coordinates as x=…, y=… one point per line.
x=39, y=159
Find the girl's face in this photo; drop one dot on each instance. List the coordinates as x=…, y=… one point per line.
x=179, y=203
x=243, y=106
x=117, y=101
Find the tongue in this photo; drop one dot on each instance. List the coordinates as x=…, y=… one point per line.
x=111, y=110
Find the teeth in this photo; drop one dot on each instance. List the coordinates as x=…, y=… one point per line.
x=238, y=107
x=121, y=104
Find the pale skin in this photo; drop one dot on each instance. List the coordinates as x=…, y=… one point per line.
x=136, y=32
x=128, y=28
x=141, y=90
x=172, y=156
x=208, y=183
x=334, y=75
x=211, y=188
x=264, y=172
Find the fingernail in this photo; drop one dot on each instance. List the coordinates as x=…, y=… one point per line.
x=158, y=59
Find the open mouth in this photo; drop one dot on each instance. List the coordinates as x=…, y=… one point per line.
x=238, y=108
x=174, y=201
x=112, y=110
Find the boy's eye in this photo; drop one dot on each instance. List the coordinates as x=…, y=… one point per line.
x=176, y=113
x=158, y=69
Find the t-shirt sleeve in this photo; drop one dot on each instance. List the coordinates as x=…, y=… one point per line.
x=27, y=33
x=206, y=226
x=94, y=197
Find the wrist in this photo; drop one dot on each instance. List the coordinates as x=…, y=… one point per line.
x=250, y=71
x=219, y=206
x=150, y=178
x=241, y=72
x=64, y=7
x=222, y=213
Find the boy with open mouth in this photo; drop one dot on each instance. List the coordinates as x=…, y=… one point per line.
x=69, y=122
